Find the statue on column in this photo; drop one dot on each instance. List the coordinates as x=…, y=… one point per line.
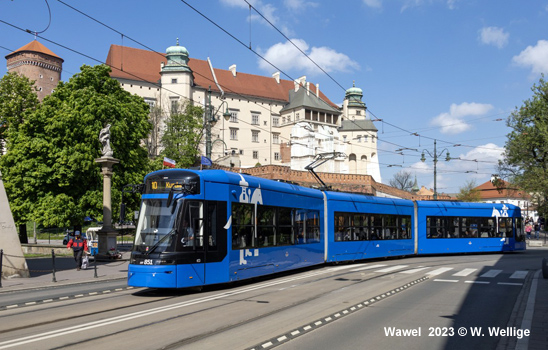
x=104, y=137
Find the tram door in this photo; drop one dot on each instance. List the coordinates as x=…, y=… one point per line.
x=193, y=240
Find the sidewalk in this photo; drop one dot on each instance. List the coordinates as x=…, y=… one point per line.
x=65, y=273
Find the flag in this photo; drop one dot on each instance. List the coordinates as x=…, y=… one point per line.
x=169, y=162
x=206, y=161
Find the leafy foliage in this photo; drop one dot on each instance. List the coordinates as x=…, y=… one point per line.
x=469, y=193
x=49, y=169
x=181, y=140
x=17, y=99
x=525, y=161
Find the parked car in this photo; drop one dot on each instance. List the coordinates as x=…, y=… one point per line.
x=68, y=237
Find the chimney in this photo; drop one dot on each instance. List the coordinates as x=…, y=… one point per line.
x=276, y=76
x=308, y=88
x=318, y=90
x=232, y=69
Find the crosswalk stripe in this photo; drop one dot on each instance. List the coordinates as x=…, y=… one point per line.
x=368, y=267
x=414, y=270
x=464, y=272
x=519, y=274
x=392, y=268
x=439, y=271
x=491, y=273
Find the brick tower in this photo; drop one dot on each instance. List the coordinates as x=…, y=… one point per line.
x=38, y=63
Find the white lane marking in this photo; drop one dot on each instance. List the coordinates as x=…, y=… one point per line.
x=477, y=282
x=520, y=274
x=439, y=271
x=344, y=267
x=439, y=280
x=414, y=270
x=368, y=267
x=491, y=273
x=392, y=268
x=464, y=272
x=510, y=284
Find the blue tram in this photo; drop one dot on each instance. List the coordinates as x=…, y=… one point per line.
x=207, y=227
x=461, y=227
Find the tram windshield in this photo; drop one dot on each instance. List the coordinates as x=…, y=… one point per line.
x=157, y=226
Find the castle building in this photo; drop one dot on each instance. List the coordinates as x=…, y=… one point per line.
x=38, y=63
x=272, y=121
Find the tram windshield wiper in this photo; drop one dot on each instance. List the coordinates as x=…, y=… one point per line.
x=171, y=233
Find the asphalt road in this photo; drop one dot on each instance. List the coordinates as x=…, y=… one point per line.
x=331, y=307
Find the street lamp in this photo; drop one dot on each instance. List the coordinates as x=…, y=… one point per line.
x=211, y=120
x=435, y=156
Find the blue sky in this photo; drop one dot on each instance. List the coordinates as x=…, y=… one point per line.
x=450, y=70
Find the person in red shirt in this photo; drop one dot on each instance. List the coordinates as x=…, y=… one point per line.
x=78, y=245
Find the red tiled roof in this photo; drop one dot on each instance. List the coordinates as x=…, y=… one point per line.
x=144, y=65
x=489, y=191
x=35, y=46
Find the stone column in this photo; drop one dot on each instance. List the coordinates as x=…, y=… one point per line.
x=13, y=262
x=107, y=234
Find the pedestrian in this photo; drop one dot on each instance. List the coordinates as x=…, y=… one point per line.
x=78, y=245
x=528, y=230
x=537, y=229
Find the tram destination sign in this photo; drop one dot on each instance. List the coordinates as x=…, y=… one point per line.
x=164, y=181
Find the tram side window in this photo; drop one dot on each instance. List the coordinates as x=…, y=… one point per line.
x=342, y=223
x=376, y=227
x=442, y=227
x=405, y=227
x=505, y=227
x=361, y=227
x=243, y=219
x=285, y=226
x=192, y=226
x=390, y=226
x=266, y=229
x=300, y=219
x=312, y=226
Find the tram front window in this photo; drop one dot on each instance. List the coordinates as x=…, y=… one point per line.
x=156, y=227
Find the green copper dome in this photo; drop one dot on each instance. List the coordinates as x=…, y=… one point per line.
x=354, y=96
x=177, y=50
x=177, y=59
x=354, y=91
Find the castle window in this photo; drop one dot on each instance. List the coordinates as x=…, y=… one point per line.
x=254, y=119
x=174, y=81
x=233, y=133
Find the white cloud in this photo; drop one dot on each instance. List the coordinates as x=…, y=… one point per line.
x=373, y=3
x=452, y=122
x=493, y=36
x=535, y=57
x=286, y=57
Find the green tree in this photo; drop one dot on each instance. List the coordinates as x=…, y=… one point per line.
x=17, y=99
x=181, y=139
x=525, y=162
x=49, y=169
x=402, y=180
x=469, y=193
